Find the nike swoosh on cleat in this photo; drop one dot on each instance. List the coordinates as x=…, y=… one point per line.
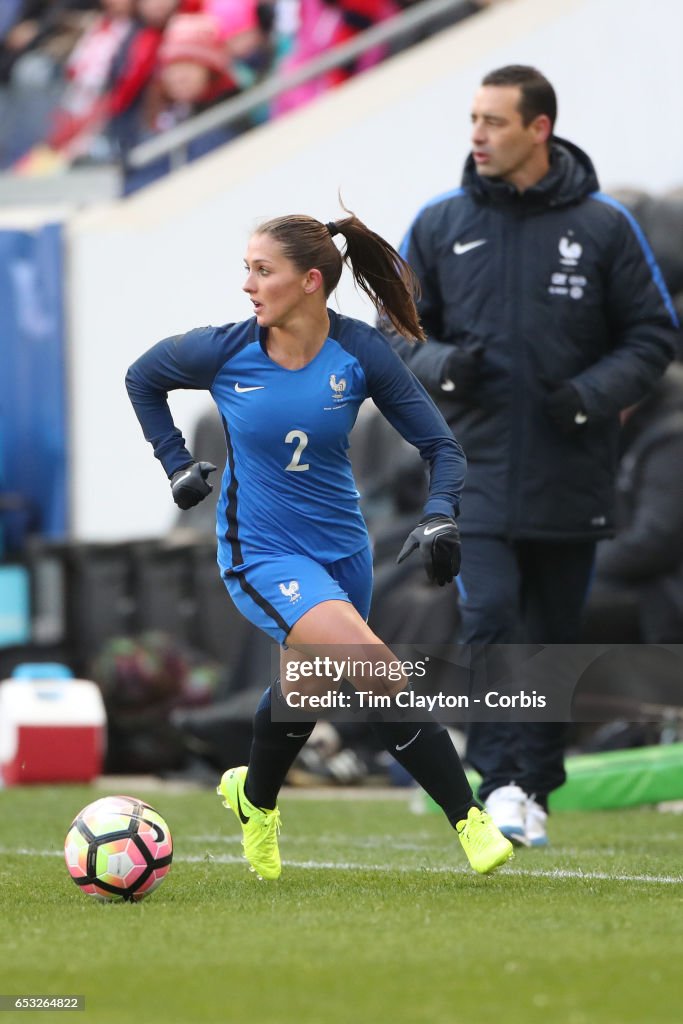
x=245, y=821
x=241, y=390
x=298, y=735
x=462, y=247
x=403, y=746
x=433, y=529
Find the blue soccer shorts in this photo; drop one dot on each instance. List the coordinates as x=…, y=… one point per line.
x=274, y=591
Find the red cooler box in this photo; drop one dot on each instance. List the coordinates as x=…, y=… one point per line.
x=51, y=730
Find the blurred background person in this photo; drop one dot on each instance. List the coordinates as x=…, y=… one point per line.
x=637, y=596
x=97, y=118
x=36, y=39
x=194, y=73
x=322, y=25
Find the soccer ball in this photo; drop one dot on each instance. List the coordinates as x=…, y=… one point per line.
x=118, y=848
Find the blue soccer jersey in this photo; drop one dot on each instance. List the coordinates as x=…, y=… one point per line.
x=288, y=485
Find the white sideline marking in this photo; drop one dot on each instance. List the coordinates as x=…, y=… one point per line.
x=365, y=843
x=321, y=865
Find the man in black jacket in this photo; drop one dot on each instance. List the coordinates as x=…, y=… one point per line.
x=546, y=315
x=645, y=560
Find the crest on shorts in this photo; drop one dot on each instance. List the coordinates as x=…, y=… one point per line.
x=291, y=590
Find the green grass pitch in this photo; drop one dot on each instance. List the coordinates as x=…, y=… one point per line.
x=376, y=920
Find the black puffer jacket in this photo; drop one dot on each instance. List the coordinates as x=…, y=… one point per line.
x=647, y=553
x=557, y=284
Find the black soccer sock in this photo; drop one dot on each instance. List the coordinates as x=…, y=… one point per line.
x=274, y=748
x=426, y=751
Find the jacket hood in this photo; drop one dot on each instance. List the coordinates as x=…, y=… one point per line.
x=570, y=179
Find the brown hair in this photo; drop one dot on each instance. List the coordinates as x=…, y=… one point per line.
x=537, y=95
x=377, y=268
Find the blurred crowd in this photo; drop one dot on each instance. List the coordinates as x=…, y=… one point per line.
x=85, y=81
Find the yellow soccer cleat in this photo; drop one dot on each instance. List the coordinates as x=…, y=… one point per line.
x=260, y=827
x=483, y=842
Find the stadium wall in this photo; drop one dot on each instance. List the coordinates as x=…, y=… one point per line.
x=170, y=258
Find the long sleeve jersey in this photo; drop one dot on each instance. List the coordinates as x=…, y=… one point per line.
x=288, y=484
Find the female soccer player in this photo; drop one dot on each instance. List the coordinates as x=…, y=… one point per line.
x=292, y=544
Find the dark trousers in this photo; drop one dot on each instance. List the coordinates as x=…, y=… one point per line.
x=521, y=592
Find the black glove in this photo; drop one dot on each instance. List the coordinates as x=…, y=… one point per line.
x=563, y=405
x=189, y=485
x=438, y=539
x=462, y=370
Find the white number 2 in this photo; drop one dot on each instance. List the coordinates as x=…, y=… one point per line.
x=298, y=436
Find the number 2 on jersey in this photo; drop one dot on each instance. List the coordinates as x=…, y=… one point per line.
x=301, y=440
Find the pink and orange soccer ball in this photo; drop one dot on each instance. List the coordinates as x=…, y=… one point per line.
x=118, y=848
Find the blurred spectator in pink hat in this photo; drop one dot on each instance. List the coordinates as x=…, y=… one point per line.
x=194, y=51
x=194, y=73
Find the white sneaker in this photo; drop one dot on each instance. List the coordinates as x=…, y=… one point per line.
x=507, y=805
x=535, y=822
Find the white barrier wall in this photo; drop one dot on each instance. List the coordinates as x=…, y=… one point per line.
x=171, y=258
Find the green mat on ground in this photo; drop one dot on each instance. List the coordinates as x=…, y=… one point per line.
x=615, y=778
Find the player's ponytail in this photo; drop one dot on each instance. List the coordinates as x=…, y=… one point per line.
x=377, y=268
x=382, y=274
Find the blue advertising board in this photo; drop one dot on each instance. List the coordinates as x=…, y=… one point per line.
x=33, y=421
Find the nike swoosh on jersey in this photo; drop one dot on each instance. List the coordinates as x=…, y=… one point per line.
x=462, y=247
x=241, y=390
x=433, y=529
x=403, y=746
x=242, y=817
